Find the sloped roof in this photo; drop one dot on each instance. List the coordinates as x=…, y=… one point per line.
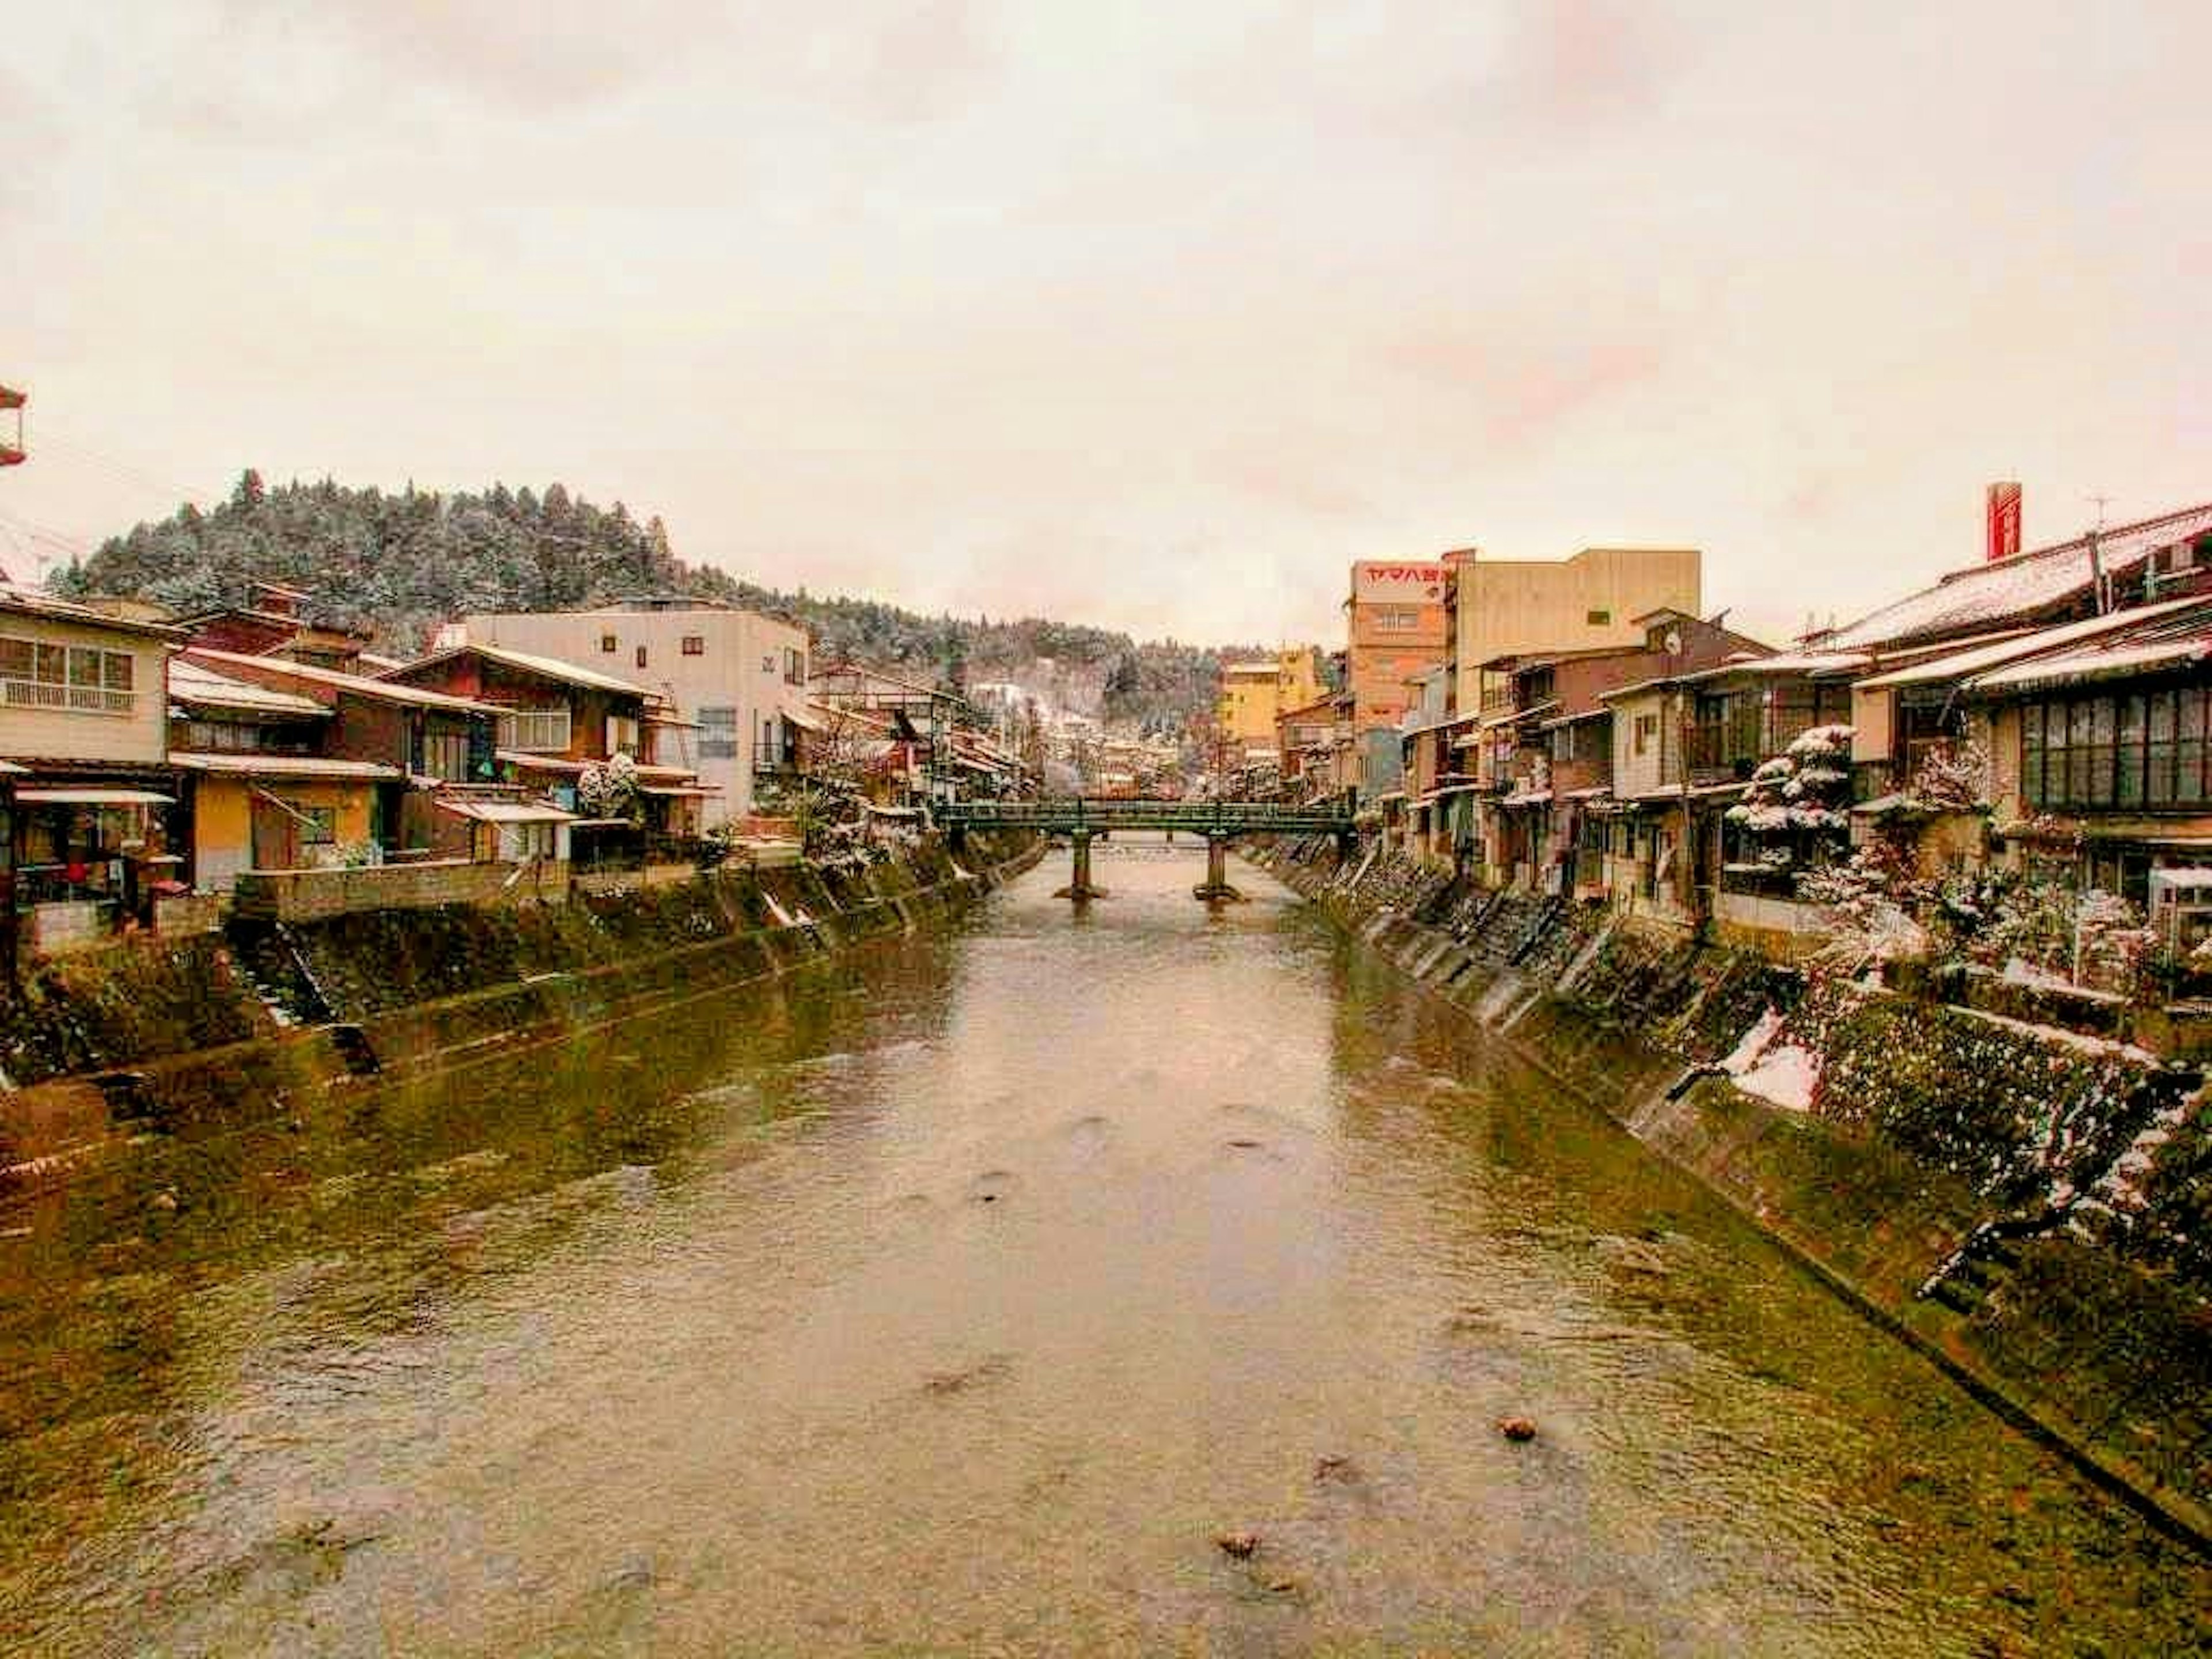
x=29, y=602
x=286, y=765
x=2023, y=587
x=551, y=668
x=2173, y=640
x=197, y=685
x=385, y=690
x=2016, y=647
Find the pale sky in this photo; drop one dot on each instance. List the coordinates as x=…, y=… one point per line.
x=1148, y=315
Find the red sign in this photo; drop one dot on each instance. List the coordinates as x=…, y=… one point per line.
x=1398, y=583
x=2004, y=521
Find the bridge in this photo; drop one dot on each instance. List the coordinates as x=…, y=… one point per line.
x=1083, y=819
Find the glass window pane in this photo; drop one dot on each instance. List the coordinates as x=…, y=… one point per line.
x=2189, y=771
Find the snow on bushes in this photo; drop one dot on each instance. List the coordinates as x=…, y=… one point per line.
x=1803, y=794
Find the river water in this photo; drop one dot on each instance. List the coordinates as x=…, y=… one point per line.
x=951, y=1298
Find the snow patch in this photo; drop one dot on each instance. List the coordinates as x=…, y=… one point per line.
x=1786, y=1076
x=1746, y=1053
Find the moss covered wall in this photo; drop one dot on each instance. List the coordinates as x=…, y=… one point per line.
x=2054, y=1191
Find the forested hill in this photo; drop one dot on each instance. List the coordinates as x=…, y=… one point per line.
x=400, y=563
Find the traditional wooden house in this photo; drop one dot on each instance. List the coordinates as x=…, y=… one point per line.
x=439, y=744
x=257, y=789
x=83, y=734
x=557, y=720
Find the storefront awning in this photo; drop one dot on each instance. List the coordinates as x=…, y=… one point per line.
x=92, y=797
x=688, y=789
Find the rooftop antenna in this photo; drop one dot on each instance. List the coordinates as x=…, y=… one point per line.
x=2100, y=591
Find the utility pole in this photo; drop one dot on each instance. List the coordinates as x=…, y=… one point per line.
x=2100, y=592
x=11, y=454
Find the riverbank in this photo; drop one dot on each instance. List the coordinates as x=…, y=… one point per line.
x=2026, y=1206
x=230, y=1030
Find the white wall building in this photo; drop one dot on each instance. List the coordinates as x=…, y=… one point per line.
x=740, y=675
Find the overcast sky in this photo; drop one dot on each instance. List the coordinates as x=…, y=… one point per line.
x=1150, y=315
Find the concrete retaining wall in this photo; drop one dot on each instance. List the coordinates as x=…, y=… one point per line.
x=310, y=895
x=2053, y=1185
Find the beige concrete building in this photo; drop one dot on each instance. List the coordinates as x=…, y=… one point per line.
x=741, y=676
x=1496, y=607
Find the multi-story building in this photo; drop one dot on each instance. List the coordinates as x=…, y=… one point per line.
x=1394, y=634
x=83, y=729
x=1500, y=607
x=741, y=676
x=558, y=719
x=1252, y=695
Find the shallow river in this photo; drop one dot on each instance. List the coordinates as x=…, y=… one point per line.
x=953, y=1298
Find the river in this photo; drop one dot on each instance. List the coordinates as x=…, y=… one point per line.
x=953, y=1298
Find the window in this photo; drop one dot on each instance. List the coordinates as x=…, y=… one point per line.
x=2139, y=750
x=1397, y=619
x=535, y=730
x=695, y=645
x=521, y=843
x=794, y=666
x=1647, y=730
x=79, y=677
x=446, y=755
x=318, y=825
x=641, y=656
x=607, y=643
x=718, y=733
x=1598, y=618
x=233, y=737
x=621, y=735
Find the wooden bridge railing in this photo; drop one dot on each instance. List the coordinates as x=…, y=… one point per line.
x=1079, y=814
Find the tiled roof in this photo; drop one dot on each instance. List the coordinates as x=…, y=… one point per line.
x=385, y=690
x=195, y=684
x=551, y=668
x=2023, y=587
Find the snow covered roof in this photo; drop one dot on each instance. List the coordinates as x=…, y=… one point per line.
x=196, y=685
x=1811, y=663
x=231, y=762
x=385, y=690
x=551, y=668
x=2014, y=648
x=2095, y=663
x=2020, y=588
x=29, y=602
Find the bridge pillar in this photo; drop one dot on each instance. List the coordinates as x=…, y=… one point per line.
x=1079, y=886
x=1216, y=886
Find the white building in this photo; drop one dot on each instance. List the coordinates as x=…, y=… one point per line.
x=740, y=675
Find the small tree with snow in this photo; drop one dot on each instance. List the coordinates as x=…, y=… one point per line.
x=1954, y=778
x=1795, y=810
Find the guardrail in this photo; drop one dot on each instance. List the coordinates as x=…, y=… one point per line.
x=1080, y=813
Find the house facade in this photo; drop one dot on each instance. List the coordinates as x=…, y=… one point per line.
x=87, y=791
x=740, y=676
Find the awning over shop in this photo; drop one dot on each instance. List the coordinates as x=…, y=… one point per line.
x=92, y=797
x=694, y=790
x=805, y=722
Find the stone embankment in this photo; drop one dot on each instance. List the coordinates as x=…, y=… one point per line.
x=230, y=1030
x=2029, y=1206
